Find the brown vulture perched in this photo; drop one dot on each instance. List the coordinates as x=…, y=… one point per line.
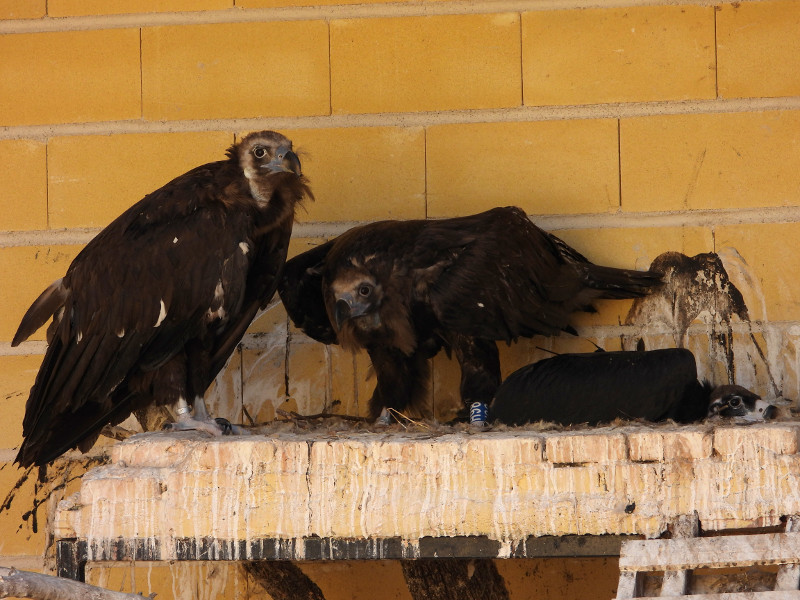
x=598, y=387
x=403, y=290
x=152, y=308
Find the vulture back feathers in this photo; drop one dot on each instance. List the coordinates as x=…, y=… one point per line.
x=403, y=290
x=151, y=309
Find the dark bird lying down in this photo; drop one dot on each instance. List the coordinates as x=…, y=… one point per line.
x=404, y=290
x=599, y=387
x=151, y=309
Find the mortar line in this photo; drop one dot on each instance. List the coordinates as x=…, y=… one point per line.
x=716, y=56
x=255, y=341
x=411, y=119
x=521, y=64
x=426, y=195
x=619, y=163
x=551, y=222
x=47, y=185
x=353, y=11
x=330, y=71
x=141, y=75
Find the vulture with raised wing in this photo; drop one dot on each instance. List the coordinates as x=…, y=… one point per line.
x=403, y=290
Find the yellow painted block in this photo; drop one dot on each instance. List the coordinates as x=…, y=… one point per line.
x=17, y=374
x=224, y=395
x=632, y=54
x=22, y=9
x=71, y=8
x=179, y=580
x=25, y=271
x=545, y=167
x=309, y=375
x=71, y=76
x=344, y=383
x=17, y=534
x=758, y=49
x=271, y=320
x=768, y=264
x=94, y=178
x=731, y=160
x=264, y=382
x=565, y=578
x=448, y=62
x=231, y=70
x=363, y=173
x=23, y=202
x=356, y=579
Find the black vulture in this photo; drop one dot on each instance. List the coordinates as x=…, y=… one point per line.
x=599, y=387
x=151, y=309
x=403, y=290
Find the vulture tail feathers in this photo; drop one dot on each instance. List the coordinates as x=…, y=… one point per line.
x=620, y=283
x=44, y=307
x=82, y=428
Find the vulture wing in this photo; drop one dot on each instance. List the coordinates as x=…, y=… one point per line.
x=495, y=275
x=300, y=289
x=599, y=387
x=125, y=313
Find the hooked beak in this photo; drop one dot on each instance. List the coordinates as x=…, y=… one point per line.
x=285, y=161
x=763, y=412
x=348, y=307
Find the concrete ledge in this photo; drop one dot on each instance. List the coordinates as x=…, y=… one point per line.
x=355, y=494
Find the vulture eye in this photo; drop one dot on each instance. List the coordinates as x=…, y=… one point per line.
x=365, y=290
x=259, y=152
x=735, y=402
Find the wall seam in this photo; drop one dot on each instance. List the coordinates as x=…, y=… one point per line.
x=411, y=119
x=313, y=13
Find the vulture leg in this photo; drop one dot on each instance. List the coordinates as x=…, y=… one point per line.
x=480, y=374
x=197, y=417
x=199, y=420
x=402, y=380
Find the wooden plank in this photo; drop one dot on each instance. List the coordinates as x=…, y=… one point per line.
x=789, y=575
x=676, y=583
x=731, y=596
x=713, y=552
x=630, y=585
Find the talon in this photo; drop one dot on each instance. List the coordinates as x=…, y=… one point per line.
x=227, y=428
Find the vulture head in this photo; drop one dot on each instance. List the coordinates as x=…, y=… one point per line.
x=736, y=401
x=268, y=162
x=356, y=299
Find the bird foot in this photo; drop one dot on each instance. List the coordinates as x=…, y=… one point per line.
x=215, y=427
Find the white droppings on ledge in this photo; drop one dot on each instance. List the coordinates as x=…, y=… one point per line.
x=497, y=484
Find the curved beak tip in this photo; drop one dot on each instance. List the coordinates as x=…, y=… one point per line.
x=292, y=163
x=341, y=312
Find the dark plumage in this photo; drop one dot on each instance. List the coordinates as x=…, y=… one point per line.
x=403, y=290
x=599, y=387
x=152, y=308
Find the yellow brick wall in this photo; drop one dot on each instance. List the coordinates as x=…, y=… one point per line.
x=629, y=129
